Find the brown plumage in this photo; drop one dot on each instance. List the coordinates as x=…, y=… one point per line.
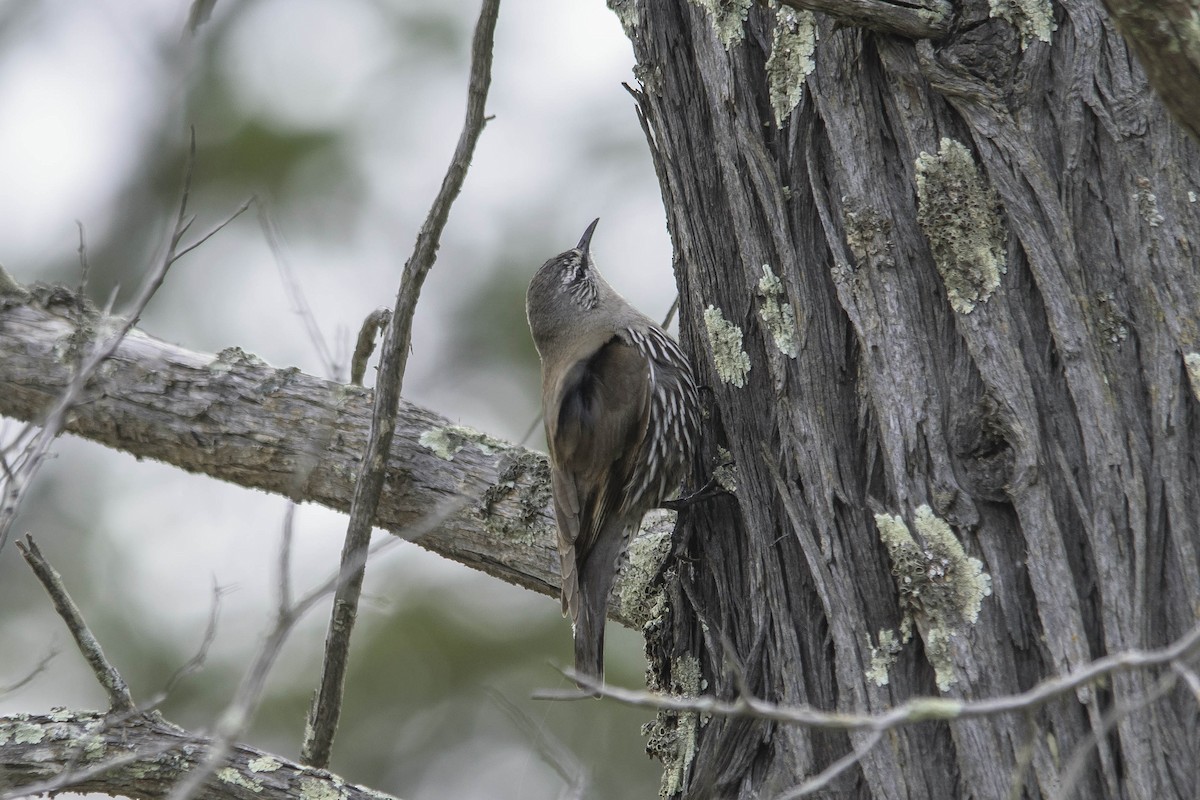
x=621, y=416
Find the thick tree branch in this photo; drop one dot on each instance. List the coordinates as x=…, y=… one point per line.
x=231, y=416
x=142, y=756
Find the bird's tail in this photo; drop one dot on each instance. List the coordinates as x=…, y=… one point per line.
x=589, y=642
x=596, y=576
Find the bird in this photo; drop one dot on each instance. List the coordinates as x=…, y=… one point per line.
x=621, y=414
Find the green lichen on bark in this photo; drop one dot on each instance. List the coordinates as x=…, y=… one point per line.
x=728, y=18
x=626, y=11
x=793, y=45
x=264, y=764
x=1147, y=203
x=232, y=777
x=639, y=598
x=523, y=477
x=959, y=213
x=775, y=311
x=672, y=735
x=1033, y=19
x=941, y=587
x=883, y=656
x=445, y=442
x=725, y=342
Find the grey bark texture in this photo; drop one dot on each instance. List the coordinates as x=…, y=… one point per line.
x=986, y=244
x=140, y=755
x=233, y=417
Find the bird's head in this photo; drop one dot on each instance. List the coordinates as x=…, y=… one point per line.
x=564, y=288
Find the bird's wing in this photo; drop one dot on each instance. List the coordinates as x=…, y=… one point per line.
x=595, y=427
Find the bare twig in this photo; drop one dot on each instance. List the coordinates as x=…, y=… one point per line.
x=52, y=424
x=918, y=709
x=364, y=345
x=825, y=776
x=326, y=710
x=1189, y=676
x=84, y=268
x=114, y=685
x=38, y=669
x=295, y=291
x=240, y=711
x=553, y=752
x=1083, y=752
x=194, y=663
x=285, y=557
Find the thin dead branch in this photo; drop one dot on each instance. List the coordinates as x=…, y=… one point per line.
x=110, y=679
x=326, y=709
x=918, y=709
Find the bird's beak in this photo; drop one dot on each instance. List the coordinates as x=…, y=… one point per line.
x=586, y=239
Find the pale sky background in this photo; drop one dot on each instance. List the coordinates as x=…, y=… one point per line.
x=84, y=90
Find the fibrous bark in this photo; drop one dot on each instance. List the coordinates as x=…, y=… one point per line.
x=142, y=756
x=986, y=246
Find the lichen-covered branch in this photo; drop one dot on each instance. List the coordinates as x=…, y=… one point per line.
x=233, y=417
x=142, y=756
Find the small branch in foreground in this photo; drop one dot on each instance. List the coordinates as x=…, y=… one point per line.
x=114, y=685
x=918, y=709
x=326, y=709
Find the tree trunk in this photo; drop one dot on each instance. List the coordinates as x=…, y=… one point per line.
x=929, y=282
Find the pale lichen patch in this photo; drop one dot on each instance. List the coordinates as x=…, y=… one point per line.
x=725, y=341
x=958, y=211
x=639, y=599
x=446, y=442
x=264, y=764
x=941, y=587
x=627, y=13
x=673, y=734
x=1191, y=362
x=776, y=313
x=231, y=357
x=523, y=478
x=1033, y=19
x=1147, y=203
x=883, y=657
x=728, y=18
x=315, y=789
x=793, y=45
x=234, y=778
x=24, y=732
